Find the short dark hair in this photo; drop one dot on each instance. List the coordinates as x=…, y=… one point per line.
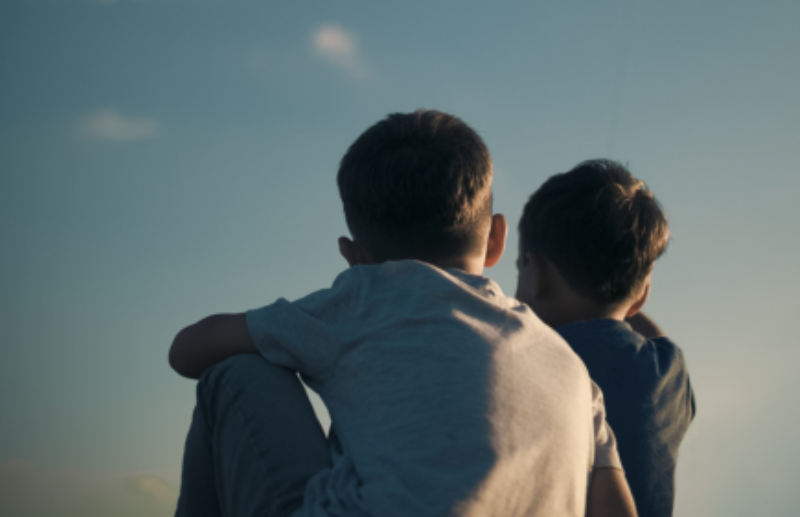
x=599, y=226
x=417, y=185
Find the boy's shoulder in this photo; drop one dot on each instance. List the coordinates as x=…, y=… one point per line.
x=612, y=349
x=369, y=298
x=610, y=334
x=649, y=375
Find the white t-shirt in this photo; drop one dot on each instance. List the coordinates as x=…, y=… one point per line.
x=448, y=397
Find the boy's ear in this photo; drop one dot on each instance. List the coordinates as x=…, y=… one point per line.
x=497, y=240
x=351, y=252
x=639, y=303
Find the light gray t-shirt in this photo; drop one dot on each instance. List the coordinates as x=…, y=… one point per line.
x=448, y=397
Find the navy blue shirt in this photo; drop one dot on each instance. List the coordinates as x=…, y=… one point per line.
x=649, y=403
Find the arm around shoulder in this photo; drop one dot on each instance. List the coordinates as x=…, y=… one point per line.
x=208, y=342
x=609, y=495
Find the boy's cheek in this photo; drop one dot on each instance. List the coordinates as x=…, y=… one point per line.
x=525, y=290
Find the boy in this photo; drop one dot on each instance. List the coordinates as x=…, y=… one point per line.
x=588, y=240
x=446, y=397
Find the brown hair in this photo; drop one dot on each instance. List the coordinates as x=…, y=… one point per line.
x=417, y=185
x=599, y=226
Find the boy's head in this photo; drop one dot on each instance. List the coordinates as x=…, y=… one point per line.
x=600, y=228
x=417, y=186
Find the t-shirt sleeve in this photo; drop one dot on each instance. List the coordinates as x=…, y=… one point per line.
x=606, y=454
x=304, y=335
x=674, y=380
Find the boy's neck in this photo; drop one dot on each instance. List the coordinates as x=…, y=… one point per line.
x=469, y=265
x=571, y=309
x=542, y=287
x=472, y=262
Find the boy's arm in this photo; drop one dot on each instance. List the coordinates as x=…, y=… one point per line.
x=208, y=342
x=609, y=495
x=640, y=323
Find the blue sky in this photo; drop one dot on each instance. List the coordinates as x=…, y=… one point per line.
x=161, y=160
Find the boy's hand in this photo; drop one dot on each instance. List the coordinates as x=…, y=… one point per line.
x=208, y=342
x=640, y=323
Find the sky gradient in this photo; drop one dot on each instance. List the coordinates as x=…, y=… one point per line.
x=162, y=160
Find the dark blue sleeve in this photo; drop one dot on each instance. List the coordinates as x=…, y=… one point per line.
x=650, y=418
x=649, y=403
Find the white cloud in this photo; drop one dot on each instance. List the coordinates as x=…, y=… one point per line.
x=157, y=489
x=108, y=125
x=339, y=47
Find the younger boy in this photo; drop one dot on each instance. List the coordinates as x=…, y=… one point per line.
x=588, y=240
x=446, y=396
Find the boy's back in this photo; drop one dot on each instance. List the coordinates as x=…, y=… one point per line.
x=446, y=396
x=649, y=402
x=588, y=240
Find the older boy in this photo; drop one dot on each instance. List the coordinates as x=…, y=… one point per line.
x=446, y=397
x=588, y=240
